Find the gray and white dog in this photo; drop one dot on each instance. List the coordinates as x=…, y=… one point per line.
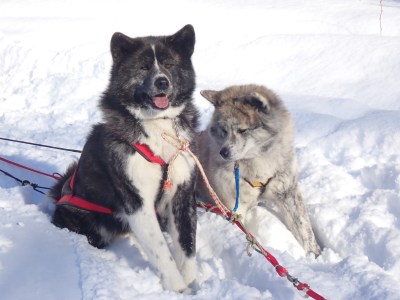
x=252, y=127
x=117, y=187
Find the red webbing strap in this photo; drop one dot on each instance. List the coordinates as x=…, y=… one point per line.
x=74, y=200
x=143, y=149
x=33, y=170
x=71, y=184
x=279, y=269
x=314, y=295
x=146, y=151
x=84, y=204
x=67, y=198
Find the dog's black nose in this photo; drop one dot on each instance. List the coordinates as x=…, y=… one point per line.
x=161, y=83
x=224, y=152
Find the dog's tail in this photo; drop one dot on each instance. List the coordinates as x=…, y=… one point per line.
x=55, y=191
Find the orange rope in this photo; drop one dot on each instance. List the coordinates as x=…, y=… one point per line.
x=184, y=146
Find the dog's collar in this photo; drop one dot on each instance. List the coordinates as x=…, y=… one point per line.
x=254, y=184
x=259, y=184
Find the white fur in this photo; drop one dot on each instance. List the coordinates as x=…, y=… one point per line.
x=184, y=163
x=156, y=66
x=106, y=235
x=150, y=114
x=145, y=176
x=143, y=223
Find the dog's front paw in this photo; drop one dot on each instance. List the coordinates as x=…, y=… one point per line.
x=194, y=285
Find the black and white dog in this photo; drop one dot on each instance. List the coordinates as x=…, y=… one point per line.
x=117, y=186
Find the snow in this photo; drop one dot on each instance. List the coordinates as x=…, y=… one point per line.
x=337, y=75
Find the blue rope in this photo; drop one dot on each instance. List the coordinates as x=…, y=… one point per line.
x=237, y=188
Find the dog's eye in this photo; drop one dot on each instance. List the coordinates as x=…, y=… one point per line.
x=214, y=130
x=218, y=132
x=145, y=68
x=167, y=66
x=241, y=131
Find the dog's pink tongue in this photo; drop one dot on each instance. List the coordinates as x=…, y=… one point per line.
x=161, y=102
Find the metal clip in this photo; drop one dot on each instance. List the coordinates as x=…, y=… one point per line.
x=25, y=182
x=176, y=129
x=303, y=294
x=293, y=280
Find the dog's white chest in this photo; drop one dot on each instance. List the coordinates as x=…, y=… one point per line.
x=146, y=176
x=154, y=130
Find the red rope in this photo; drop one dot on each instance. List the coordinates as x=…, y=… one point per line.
x=314, y=295
x=55, y=175
x=279, y=269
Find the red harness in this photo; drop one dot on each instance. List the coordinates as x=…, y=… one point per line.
x=75, y=200
x=146, y=152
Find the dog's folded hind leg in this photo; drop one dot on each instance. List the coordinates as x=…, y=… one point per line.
x=145, y=227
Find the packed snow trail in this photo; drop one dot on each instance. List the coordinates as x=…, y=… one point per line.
x=336, y=74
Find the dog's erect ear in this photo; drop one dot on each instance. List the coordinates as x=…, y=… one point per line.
x=209, y=95
x=122, y=45
x=258, y=101
x=183, y=41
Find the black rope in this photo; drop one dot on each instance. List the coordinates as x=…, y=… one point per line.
x=26, y=182
x=8, y=174
x=40, y=145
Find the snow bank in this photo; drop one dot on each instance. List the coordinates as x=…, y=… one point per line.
x=337, y=76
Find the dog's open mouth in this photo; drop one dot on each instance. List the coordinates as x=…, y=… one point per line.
x=160, y=100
